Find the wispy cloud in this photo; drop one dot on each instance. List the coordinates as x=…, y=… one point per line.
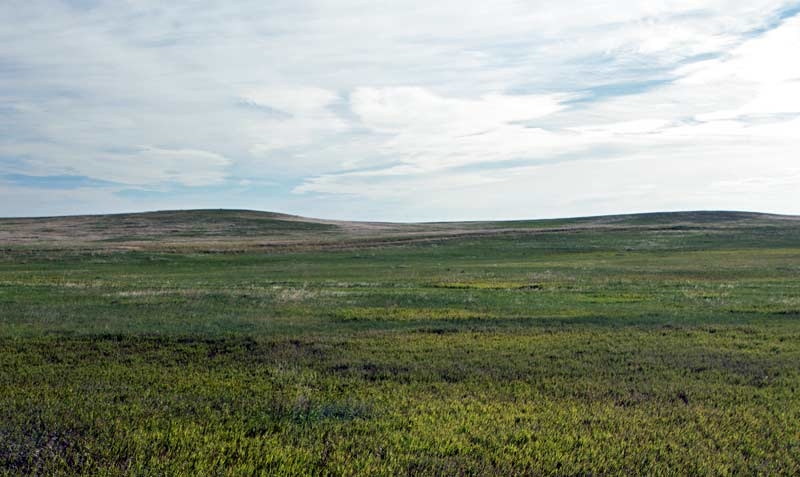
x=408, y=110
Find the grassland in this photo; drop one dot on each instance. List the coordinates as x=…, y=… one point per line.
x=243, y=343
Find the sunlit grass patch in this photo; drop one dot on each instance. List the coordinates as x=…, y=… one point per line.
x=611, y=298
x=455, y=315
x=406, y=314
x=489, y=285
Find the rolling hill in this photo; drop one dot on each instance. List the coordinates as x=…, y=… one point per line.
x=245, y=230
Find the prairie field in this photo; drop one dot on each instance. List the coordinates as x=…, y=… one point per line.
x=245, y=343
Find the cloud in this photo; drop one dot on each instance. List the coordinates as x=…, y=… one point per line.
x=679, y=129
x=149, y=165
x=300, y=116
x=433, y=132
x=311, y=101
x=398, y=109
x=142, y=166
x=360, y=102
x=763, y=67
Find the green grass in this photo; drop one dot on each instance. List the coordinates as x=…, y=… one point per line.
x=664, y=350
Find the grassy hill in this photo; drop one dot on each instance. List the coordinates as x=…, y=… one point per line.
x=653, y=344
x=245, y=230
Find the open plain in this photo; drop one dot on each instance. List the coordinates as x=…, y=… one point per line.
x=216, y=342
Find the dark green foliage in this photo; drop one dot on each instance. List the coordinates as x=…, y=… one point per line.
x=668, y=350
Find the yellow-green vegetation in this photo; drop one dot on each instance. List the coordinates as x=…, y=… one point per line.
x=642, y=345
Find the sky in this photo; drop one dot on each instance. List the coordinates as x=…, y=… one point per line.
x=407, y=110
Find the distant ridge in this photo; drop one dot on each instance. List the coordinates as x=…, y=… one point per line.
x=240, y=230
x=692, y=215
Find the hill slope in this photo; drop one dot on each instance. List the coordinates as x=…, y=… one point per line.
x=236, y=230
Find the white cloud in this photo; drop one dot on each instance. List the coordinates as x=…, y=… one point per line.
x=447, y=97
x=637, y=126
x=141, y=166
x=405, y=108
x=678, y=137
x=150, y=165
x=295, y=116
x=312, y=101
x=432, y=132
x=763, y=67
x=762, y=60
